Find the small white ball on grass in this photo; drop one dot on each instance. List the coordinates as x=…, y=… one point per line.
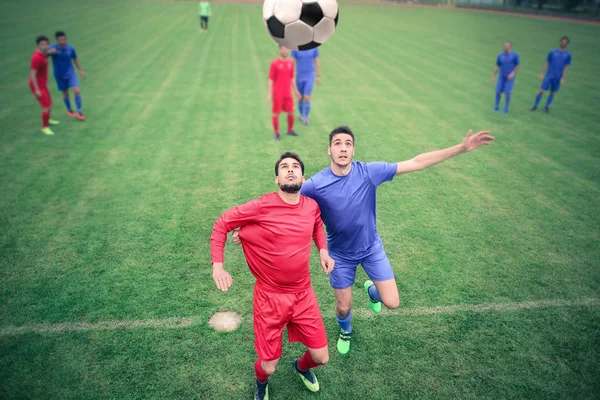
x=225, y=321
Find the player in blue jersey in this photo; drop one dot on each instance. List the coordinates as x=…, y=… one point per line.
x=507, y=64
x=346, y=195
x=555, y=70
x=307, y=63
x=63, y=57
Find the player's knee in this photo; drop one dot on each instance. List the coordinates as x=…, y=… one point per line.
x=322, y=358
x=306, y=98
x=342, y=311
x=66, y=94
x=270, y=368
x=392, y=303
x=76, y=91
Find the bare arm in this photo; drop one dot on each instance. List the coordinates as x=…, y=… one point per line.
x=562, y=79
x=295, y=88
x=496, y=69
x=514, y=71
x=544, y=68
x=425, y=160
x=33, y=76
x=270, y=90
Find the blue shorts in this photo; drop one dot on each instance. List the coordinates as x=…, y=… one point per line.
x=550, y=83
x=505, y=85
x=305, y=85
x=374, y=261
x=64, y=83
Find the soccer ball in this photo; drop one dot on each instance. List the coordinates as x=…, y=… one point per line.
x=300, y=24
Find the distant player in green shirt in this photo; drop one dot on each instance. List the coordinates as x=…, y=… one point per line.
x=205, y=12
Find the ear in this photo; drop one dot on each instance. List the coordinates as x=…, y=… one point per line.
x=329, y=150
x=303, y=179
x=277, y=180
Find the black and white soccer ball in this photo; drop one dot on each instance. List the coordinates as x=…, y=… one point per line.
x=300, y=24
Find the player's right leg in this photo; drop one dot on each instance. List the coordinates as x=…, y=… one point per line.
x=276, y=110
x=545, y=86
x=382, y=287
x=45, y=101
x=300, y=85
x=343, y=316
x=270, y=317
x=288, y=107
x=499, y=89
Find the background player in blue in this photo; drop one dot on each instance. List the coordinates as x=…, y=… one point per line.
x=63, y=56
x=307, y=63
x=346, y=194
x=555, y=69
x=508, y=64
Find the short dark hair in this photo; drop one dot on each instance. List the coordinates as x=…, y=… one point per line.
x=565, y=38
x=285, y=155
x=341, y=129
x=59, y=34
x=41, y=38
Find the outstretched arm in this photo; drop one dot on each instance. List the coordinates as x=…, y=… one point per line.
x=233, y=218
x=425, y=160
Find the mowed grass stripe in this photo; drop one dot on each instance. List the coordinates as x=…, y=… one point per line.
x=359, y=313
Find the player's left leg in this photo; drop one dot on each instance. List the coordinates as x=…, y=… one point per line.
x=300, y=85
x=508, y=87
x=308, y=88
x=499, y=89
x=382, y=287
x=306, y=326
x=78, y=103
x=288, y=107
x=554, y=87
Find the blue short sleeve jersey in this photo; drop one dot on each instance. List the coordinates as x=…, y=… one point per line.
x=557, y=61
x=62, y=60
x=305, y=62
x=348, y=204
x=507, y=63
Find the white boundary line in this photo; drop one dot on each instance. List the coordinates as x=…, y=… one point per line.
x=185, y=322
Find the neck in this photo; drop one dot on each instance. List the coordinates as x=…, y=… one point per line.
x=340, y=170
x=289, y=198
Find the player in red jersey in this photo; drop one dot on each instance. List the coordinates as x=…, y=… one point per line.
x=276, y=230
x=38, y=82
x=281, y=84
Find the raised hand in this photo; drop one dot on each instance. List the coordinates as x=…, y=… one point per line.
x=471, y=142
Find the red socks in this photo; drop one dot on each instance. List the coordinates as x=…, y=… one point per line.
x=45, y=119
x=290, y=122
x=306, y=362
x=261, y=375
x=276, y=124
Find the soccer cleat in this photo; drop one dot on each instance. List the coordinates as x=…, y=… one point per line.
x=343, y=343
x=504, y=111
x=495, y=108
x=546, y=109
x=533, y=108
x=261, y=391
x=374, y=304
x=277, y=137
x=292, y=133
x=80, y=117
x=305, y=122
x=71, y=114
x=301, y=119
x=53, y=122
x=47, y=131
x=309, y=379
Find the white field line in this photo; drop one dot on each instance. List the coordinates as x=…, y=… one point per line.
x=185, y=322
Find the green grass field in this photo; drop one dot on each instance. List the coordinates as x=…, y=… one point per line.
x=109, y=220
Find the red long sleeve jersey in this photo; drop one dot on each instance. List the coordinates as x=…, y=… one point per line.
x=276, y=238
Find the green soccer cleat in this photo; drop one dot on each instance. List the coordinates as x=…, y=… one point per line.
x=343, y=343
x=53, y=122
x=261, y=391
x=47, y=131
x=309, y=379
x=374, y=304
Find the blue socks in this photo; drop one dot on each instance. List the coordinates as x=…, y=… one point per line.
x=373, y=293
x=538, y=98
x=498, y=95
x=306, y=109
x=301, y=108
x=345, y=323
x=78, y=103
x=507, y=103
x=549, y=101
x=67, y=104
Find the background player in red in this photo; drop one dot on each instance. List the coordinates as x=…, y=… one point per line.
x=276, y=231
x=38, y=82
x=281, y=84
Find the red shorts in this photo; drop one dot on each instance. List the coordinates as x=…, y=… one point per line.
x=285, y=103
x=45, y=101
x=298, y=311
